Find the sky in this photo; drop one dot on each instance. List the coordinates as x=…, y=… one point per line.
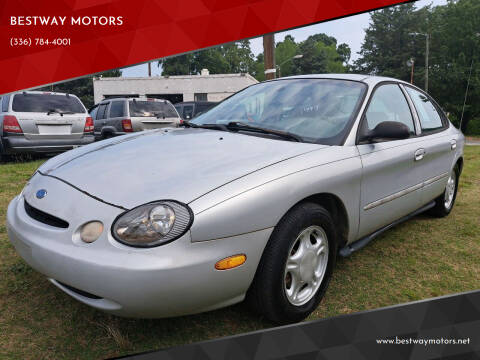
x=349, y=30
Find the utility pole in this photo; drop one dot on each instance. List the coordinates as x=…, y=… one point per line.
x=427, y=36
x=411, y=65
x=149, y=69
x=466, y=90
x=269, y=56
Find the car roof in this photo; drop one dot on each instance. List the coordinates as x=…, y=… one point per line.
x=42, y=92
x=195, y=102
x=369, y=79
x=140, y=98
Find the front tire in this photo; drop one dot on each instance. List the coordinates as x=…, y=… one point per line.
x=444, y=203
x=296, y=266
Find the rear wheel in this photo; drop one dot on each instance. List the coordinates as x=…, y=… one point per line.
x=296, y=265
x=444, y=203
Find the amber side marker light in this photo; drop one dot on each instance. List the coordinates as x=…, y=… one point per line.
x=231, y=262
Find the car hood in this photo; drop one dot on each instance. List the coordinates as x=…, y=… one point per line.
x=178, y=164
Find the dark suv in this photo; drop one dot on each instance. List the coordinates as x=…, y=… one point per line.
x=189, y=109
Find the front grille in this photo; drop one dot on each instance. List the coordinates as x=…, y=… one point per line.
x=80, y=292
x=43, y=217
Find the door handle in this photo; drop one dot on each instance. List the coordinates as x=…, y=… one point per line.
x=419, y=154
x=453, y=144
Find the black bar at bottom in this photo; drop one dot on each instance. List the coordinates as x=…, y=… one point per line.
x=424, y=329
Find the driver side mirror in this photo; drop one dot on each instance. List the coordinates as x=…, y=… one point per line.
x=386, y=130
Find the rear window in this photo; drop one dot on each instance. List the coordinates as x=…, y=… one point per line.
x=151, y=108
x=45, y=103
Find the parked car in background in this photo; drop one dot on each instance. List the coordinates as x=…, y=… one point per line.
x=43, y=122
x=190, y=109
x=119, y=116
x=254, y=199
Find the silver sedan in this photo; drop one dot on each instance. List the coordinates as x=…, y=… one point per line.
x=253, y=199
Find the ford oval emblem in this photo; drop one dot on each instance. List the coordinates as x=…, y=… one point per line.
x=41, y=193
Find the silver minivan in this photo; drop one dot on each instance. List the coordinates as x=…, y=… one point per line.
x=118, y=116
x=43, y=122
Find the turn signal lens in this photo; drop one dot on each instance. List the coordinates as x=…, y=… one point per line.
x=91, y=231
x=231, y=262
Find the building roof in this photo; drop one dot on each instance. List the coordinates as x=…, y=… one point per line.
x=173, y=77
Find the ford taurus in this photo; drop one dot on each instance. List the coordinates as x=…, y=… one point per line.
x=253, y=199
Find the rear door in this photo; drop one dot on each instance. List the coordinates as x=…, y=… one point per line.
x=152, y=114
x=49, y=115
x=391, y=180
x=439, y=144
x=116, y=113
x=100, y=119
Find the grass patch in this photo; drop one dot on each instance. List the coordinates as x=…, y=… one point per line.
x=422, y=258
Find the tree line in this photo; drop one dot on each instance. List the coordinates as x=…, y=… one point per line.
x=395, y=35
x=390, y=41
x=453, y=29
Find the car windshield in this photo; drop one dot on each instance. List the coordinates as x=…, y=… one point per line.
x=47, y=103
x=150, y=108
x=317, y=110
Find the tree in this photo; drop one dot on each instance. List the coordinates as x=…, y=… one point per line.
x=454, y=48
x=284, y=52
x=388, y=44
x=179, y=65
x=234, y=57
x=83, y=87
x=321, y=55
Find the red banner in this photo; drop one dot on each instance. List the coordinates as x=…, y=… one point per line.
x=44, y=42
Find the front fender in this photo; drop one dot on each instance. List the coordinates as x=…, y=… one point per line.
x=258, y=201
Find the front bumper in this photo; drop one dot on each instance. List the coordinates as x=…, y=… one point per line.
x=178, y=278
x=18, y=144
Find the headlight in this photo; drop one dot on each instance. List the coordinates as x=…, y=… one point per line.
x=153, y=224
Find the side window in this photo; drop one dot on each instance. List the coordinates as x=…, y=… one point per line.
x=428, y=114
x=117, y=109
x=5, y=101
x=101, y=111
x=389, y=104
x=93, y=112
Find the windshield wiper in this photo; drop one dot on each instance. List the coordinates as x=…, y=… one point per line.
x=240, y=126
x=54, y=111
x=189, y=124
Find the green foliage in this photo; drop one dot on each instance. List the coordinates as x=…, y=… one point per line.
x=284, y=52
x=83, y=87
x=235, y=57
x=473, y=127
x=454, y=45
x=320, y=54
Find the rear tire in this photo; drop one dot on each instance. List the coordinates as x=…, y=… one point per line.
x=444, y=203
x=294, y=271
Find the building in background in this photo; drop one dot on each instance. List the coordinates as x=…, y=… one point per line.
x=203, y=87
